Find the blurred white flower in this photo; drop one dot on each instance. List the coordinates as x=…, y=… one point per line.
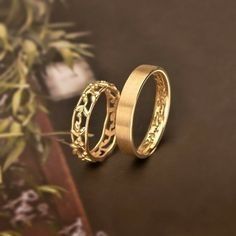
x=26, y=207
x=64, y=82
x=75, y=229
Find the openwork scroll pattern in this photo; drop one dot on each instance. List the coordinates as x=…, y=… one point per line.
x=156, y=126
x=80, y=122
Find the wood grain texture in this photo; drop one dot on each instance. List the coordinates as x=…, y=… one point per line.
x=56, y=172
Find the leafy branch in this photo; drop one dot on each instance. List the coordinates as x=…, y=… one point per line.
x=9, y=233
x=28, y=42
x=28, y=194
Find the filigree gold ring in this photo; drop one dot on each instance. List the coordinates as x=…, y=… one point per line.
x=81, y=117
x=126, y=110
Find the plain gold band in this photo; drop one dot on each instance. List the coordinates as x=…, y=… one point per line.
x=126, y=110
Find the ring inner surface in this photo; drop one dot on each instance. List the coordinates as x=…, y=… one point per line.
x=107, y=138
x=158, y=121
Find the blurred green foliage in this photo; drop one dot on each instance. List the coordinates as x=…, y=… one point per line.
x=28, y=43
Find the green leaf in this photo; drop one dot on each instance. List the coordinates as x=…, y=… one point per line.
x=9, y=233
x=42, y=108
x=3, y=35
x=62, y=44
x=61, y=25
x=84, y=52
x=4, y=124
x=15, y=128
x=85, y=45
x=14, y=154
x=30, y=50
x=51, y=189
x=46, y=151
x=67, y=55
x=41, y=7
x=29, y=19
x=10, y=135
x=15, y=6
x=76, y=35
x=16, y=101
x=14, y=85
x=56, y=35
x=3, y=54
x=9, y=73
x=4, y=44
x=31, y=109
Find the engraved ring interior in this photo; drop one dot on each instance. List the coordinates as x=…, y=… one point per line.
x=126, y=110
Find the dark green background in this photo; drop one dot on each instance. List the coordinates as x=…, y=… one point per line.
x=188, y=187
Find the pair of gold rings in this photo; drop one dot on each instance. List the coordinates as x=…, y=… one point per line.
x=118, y=125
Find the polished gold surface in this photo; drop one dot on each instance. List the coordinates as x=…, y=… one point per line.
x=126, y=110
x=80, y=122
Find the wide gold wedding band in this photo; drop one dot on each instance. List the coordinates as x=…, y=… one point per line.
x=126, y=110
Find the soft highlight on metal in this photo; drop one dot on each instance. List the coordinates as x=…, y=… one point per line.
x=126, y=110
x=81, y=117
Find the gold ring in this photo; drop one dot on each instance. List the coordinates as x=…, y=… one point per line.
x=81, y=117
x=126, y=110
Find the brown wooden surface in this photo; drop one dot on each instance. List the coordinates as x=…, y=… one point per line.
x=56, y=171
x=188, y=187
x=39, y=230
